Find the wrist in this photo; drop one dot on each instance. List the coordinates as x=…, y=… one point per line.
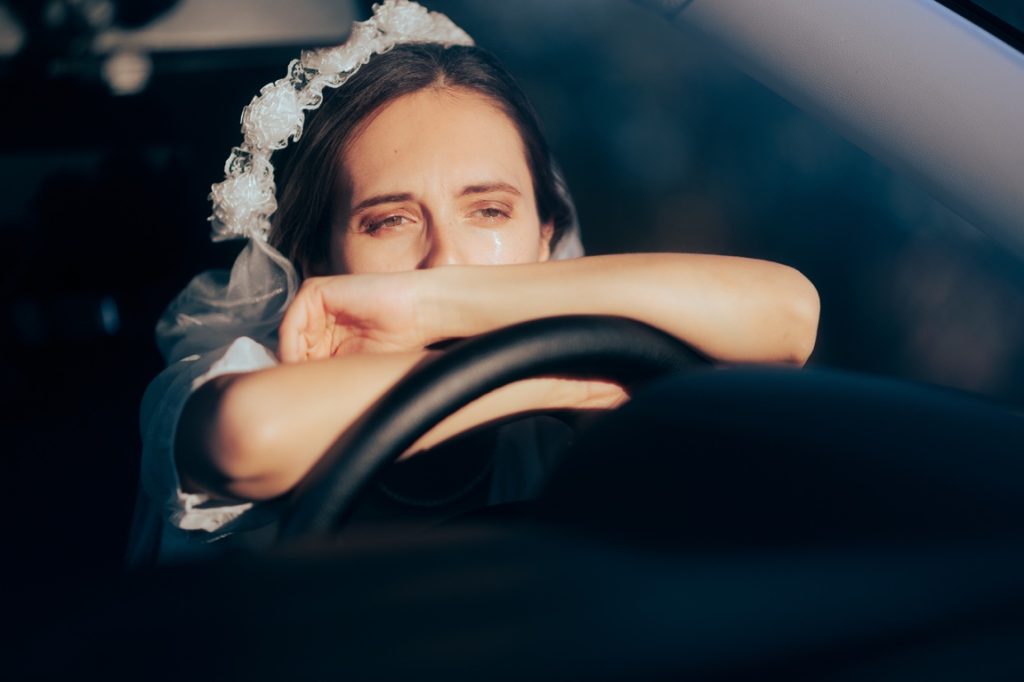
x=444, y=303
x=423, y=305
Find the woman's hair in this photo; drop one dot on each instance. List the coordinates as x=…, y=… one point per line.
x=302, y=225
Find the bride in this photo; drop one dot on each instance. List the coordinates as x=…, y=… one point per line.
x=422, y=168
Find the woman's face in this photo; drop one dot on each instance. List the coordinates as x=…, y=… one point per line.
x=438, y=177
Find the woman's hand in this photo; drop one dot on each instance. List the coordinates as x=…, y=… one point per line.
x=594, y=395
x=345, y=314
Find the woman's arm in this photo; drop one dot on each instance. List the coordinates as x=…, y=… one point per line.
x=254, y=436
x=732, y=309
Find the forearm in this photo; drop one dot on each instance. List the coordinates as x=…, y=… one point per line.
x=254, y=436
x=732, y=309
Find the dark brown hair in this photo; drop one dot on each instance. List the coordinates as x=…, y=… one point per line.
x=301, y=227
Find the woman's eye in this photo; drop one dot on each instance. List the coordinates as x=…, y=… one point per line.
x=391, y=221
x=491, y=214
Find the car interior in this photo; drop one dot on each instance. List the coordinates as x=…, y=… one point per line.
x=856, y=519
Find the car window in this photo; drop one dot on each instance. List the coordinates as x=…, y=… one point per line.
x=666, y=145
x=1002, y=18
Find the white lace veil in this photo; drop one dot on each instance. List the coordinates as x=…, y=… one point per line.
x=218, y=306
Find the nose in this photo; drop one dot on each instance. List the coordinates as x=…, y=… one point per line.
x=442, y=247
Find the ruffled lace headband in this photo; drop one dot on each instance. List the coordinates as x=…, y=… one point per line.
x=245, y=200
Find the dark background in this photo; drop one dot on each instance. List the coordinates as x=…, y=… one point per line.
x=665, y=145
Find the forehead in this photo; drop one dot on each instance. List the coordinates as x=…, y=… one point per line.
x=435, y=135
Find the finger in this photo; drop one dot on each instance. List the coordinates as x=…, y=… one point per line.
x=605, y=394
x=317, y=332
x=290, y=341
x=302, y=325
x=334, y=292
x=340, y=335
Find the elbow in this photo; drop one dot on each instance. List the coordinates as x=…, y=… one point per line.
x=803, y=308
x=229, y=455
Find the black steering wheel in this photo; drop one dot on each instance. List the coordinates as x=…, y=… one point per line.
x=574, y=346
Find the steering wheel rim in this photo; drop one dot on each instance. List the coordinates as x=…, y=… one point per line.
x=573, y=346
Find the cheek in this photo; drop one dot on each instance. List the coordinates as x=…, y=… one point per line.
x=507, y=245
x=469, y=245
x=354, y=255
x=504, y=247
x=487, y=247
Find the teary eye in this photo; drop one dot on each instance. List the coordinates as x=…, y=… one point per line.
x=374, y=226
x=491, y=214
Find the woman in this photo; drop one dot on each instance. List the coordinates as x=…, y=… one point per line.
x=427, y=156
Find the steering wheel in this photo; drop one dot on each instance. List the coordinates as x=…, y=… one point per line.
x=574, y=346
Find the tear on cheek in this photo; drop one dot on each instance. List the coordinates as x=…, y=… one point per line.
x=505, y=248
x=499, y=246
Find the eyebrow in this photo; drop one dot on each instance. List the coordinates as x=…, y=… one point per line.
x=490, y=187
x=466, y=191
x=381, y=199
